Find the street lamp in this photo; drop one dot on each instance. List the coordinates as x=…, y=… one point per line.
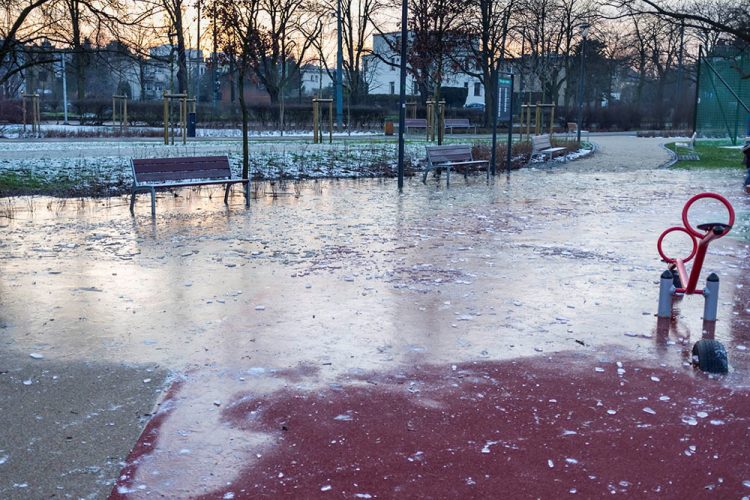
x=339, y=71
x=584, y=27
x=402, y=93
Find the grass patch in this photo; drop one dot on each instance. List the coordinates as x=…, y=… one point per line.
x=711, y=153
x=25, y=183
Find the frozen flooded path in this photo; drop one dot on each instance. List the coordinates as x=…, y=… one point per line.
x=354, y=341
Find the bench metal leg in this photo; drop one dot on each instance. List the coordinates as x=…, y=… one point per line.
x=132, y=202
x=448, y=175
x=153, y=202
x=226, y=194
x=247, y=194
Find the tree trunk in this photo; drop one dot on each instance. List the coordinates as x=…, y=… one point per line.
x=182, y=71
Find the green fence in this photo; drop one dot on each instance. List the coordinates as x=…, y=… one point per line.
x=723, y=95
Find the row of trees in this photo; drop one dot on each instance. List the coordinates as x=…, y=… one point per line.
x=650, y=42
x=269, y=40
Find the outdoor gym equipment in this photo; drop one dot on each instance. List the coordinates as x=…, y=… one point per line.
x=120, y=102
x=318, y=118
x=709, y=354
x=32, y=99
x=182, y=123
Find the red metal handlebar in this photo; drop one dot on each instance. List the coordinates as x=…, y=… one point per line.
x=700, y=247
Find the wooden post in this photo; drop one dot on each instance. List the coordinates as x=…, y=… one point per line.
x=330, y=121
x=315, y=120
x=441, y=122
x=23, y=100
x=183, y=111
x=125, y=112
x=38, y=115
x=538, y=119
x=552, y=121
x=528, y=121
x=431, y=117
x=114, y=111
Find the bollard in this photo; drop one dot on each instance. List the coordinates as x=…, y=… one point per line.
x=666, y=290
x=711, y=294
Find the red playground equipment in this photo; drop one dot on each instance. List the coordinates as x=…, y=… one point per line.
x=709, y=354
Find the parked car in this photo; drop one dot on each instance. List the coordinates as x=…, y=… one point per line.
x=478, y=106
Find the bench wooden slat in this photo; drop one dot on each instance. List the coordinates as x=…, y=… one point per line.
x=457, y=122
x=177, y=164
x=183, y=175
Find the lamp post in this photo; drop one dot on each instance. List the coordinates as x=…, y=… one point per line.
x=339, y=71
x=402, y=93
x=584, y=34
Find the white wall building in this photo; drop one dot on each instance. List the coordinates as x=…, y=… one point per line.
x=314, y=80
x=384, y=77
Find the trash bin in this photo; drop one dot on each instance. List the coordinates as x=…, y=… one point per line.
x=191, y=125
x=389, y=127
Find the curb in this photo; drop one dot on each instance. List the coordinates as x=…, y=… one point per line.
x=672, y=157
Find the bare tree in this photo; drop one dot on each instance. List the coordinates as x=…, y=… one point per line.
x=731, y=17
x=357, y=28
x=20, y=26
x=239, y=40
x=551, y=32
x=491, y=19
x=175, y=11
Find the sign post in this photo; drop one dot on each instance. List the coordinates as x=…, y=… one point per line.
x=503, y=92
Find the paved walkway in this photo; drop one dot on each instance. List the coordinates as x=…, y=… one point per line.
x=359, y=343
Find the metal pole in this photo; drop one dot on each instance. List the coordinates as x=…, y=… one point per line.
x=197, y=53
x=711, y=294
x=495, y=111
x=579, y=119
x=402, y=94
x=678, y=92
x=697, y=89
x=666, y=290
x=65, y=91
x=214, y=62
x=510, y=126
x=339, y=71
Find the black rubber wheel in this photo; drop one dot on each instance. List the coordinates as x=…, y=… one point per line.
x=710, y=356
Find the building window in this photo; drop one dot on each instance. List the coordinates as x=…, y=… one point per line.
x=466, y=85
x=393, y=87
x=477, y=89
x=393, y=64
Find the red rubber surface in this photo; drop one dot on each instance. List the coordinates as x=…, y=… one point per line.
x=537, y=427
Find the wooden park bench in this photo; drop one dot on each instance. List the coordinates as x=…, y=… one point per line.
x=541, y=146
x=454, y=155
x=152, y=173
x=414, y=123
x=451, y=123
